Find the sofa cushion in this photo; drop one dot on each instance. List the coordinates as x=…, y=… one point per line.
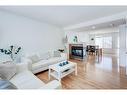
x=57, y=54
x=43, y=56
x=44, y=63
x=40, y=64
x=8, y=70
x=26, y=80
x=34, y=58
x=51, y=85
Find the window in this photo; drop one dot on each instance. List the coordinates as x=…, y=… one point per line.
x=104, y=42
x=99, y=41
x=107, y=42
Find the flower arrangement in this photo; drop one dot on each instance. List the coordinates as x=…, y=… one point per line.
x=12, y=51
x=75, y=39
x=61, y=50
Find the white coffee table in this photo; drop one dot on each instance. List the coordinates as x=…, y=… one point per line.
x=59, y=72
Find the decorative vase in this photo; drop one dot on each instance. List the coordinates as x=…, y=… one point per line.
x=75, y=39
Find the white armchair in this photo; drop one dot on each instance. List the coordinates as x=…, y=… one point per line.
x=51, y=84
x=25, y=79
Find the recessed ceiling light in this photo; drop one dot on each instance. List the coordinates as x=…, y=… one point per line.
x=93, y=27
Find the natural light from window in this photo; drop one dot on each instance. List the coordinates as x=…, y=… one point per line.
x=104, y=42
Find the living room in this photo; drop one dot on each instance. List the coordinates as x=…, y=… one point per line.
x=47, y=47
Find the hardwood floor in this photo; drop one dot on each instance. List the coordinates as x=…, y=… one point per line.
x=105, y=74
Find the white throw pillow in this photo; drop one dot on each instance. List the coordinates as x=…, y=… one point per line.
x=57, y=54
x=34, y=58
x=44, y=56
x=7, y=71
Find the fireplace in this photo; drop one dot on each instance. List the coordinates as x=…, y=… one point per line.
x=77, y=51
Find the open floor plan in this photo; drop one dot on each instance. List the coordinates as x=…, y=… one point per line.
x=63, y=47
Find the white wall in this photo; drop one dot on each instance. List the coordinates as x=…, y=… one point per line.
x=30, y=34
x=85, y=36
x=82, y=36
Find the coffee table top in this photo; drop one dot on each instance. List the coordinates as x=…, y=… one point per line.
x=58, y=68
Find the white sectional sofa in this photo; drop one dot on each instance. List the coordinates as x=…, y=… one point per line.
x=25, y=79
x=40, y=61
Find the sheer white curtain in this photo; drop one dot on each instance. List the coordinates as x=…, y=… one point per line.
x=104, y=42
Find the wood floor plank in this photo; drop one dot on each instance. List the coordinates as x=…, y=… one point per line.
x=105, y=74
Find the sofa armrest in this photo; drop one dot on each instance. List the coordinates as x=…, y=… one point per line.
x=52, y=85
x=27, y=61
x=22, y=67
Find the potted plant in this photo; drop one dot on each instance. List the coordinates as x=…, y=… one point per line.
x=12, y=51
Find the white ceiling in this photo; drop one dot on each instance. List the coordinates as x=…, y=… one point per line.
x=64, y=15
x=109, y=24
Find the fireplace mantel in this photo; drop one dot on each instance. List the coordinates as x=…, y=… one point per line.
x=79, y=43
